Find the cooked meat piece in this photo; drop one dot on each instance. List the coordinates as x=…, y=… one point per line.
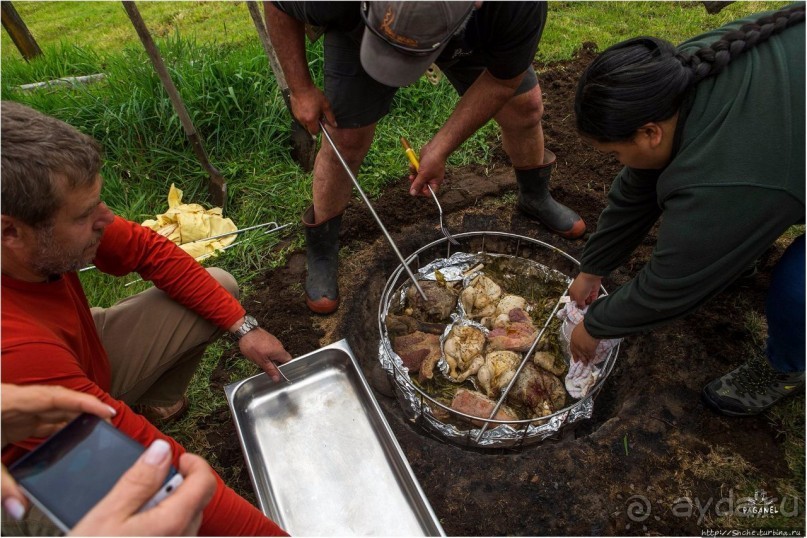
x=481, y=297
x=477, y=404
x=509, y=302
x=463, y=351
x=441, y=300
x=539, y=390
x=400, y=325
x=501, y=317
x=513, y=331
x=428, y=364
x=550, y=362
x=414, y=349
x=498, y=370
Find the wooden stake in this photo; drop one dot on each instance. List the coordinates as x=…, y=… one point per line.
x=217, y=185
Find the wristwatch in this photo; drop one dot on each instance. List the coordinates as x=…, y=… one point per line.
x=249, y=324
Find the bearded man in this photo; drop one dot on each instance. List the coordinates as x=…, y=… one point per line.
x=138, y=353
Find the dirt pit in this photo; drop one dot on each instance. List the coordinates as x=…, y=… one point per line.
x=650, y=442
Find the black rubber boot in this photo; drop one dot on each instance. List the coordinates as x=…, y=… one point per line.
x=536, y=202
x=322, y=261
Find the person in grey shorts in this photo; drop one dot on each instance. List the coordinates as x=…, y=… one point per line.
x=372, y=49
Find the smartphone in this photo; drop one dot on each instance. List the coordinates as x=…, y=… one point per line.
x=73, y=469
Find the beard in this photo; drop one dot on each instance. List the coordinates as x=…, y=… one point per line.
x=55, y=258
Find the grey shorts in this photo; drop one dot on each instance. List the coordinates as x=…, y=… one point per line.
x=359, y=100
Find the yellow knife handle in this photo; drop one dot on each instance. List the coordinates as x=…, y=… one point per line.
x=410, y=154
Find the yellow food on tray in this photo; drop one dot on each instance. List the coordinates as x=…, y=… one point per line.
x=187, y=224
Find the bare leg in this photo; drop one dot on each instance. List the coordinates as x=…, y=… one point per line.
x=523, y=140
x=332, y=186
x=522, y=133
x=332, y=192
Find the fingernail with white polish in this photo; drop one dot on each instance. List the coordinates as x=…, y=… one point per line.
x=157, y=452
x=14, y=508
x=112, y=409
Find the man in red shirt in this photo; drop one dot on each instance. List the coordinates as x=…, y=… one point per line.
x=141, y=351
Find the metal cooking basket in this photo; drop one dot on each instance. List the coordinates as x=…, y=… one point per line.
x=420, y=407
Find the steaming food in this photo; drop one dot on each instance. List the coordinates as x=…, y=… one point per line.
x=492, y=327
x=503, y=308
x=539, y=390
x=401, y=325
x=550, y=362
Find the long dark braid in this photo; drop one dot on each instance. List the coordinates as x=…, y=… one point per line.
x=645, y=79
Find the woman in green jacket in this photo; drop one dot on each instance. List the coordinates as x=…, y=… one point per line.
x=711, y=134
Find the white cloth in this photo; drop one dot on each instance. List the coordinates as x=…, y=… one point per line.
x=581, y=377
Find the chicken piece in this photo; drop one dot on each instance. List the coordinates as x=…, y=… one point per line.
x=500, y=318
x=415, y=348
x=463, y=351
x=497, y=371
x=477, y=404
x=480, y=297
x=441, y=300
x=539, y=390
x=472, y=368
x=512, y=332
x=509, y=302
x=550, y=362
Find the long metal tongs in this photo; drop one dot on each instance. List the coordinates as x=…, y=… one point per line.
x=327, y=135
x=527, y=356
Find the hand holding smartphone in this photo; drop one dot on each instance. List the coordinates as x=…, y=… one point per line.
x=74, y=469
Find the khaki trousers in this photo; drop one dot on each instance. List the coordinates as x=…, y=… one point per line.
x=154, y=346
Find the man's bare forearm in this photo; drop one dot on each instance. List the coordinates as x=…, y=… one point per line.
x=483, y=100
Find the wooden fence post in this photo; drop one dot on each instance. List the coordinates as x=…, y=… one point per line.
x=303, y=145
x=217, y=185
x=18, y=31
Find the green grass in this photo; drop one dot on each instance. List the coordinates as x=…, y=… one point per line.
x=212, y=51
x=105, y=27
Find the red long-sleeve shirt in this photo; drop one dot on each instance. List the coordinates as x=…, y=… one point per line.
x=48, y=337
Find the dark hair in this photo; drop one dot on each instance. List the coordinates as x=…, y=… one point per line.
x=645, y=79
x=39, y=154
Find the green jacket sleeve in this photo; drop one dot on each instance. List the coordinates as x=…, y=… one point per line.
x=709, y=235
x=631, y=212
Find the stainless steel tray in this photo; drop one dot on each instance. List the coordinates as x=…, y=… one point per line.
x=322, y=457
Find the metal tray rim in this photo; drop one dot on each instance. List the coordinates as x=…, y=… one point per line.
x=265, y=501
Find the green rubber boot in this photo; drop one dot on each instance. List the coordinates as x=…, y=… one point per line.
x=536, y=202
x=322, y=262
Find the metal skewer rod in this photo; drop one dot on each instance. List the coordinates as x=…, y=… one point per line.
x=327, y=135
x=523, y=363
x=209, y=254
x=236, y=232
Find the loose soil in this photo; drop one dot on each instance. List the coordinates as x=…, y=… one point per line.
x=650, y=442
